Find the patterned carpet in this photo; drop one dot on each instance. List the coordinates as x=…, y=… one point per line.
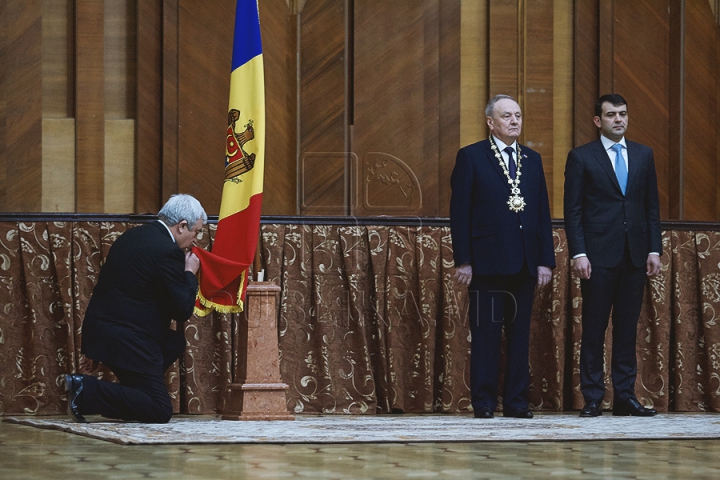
x=390, y=428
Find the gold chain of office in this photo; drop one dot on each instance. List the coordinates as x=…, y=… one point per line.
x=516, y=202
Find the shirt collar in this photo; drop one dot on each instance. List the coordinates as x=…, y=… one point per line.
x=607, y=143
x=168, y=229
x=501, y=145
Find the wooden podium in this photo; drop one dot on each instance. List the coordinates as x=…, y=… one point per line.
x=259, y=393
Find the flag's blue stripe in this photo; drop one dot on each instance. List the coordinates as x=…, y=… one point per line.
x=246, y=43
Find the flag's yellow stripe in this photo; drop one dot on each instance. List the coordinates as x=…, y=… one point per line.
x=247, y=94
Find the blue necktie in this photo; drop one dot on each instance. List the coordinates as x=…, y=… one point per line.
x=620, y=168
x=511, y=162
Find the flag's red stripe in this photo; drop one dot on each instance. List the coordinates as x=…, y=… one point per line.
x=237, y=234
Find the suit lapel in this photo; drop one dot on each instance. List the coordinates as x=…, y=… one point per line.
x=633, y=159
x=494, y=162
x=605, y=162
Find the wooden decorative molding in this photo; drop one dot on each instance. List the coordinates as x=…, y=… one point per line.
x=389, y=184
x=394, y=221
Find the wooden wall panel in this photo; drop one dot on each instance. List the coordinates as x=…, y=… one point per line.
x=90, y=111
x=505, y=49
x=450, y=103
x=562, y=98
x=675, y=101
x=324, y=157
x=203, y=113
x=170, y=98
x=700, y=113
x=58, y=60
x=4, y=57
x=149, y=125
x=120, y=105
x=606, y=46
x=20, y=157
x=58, y=165
x=367, y=101
x=717, y=118
x=586, y=70
x=120, y=58
x=119, y=165
x=473, y=71
x=58, y=109
x=396, y=109
x=537, y=81
x=279, y=37
x=641, y=75
x=426, y=169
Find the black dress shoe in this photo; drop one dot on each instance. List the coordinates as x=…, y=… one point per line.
x=593, y=408
x=73, y=387
x=522, y=413
x=484, y=412
x=632, y=407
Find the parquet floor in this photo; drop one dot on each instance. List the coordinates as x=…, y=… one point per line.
x=32, y=453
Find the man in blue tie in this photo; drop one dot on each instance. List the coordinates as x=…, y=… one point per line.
x=612, y=223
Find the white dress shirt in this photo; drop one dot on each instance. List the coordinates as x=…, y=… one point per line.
x=607, y=145
x=502, y=146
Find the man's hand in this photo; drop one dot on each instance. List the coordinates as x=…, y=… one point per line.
x=653, y=265
x=87, y=365
x=544, y=275
x=582, y=268
x=192, y=263
x=463, y=274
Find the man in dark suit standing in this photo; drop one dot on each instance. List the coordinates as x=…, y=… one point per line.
x=612, y=222
x=502, y=247
x=147, y=281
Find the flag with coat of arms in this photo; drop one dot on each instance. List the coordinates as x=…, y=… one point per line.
x=223, y=275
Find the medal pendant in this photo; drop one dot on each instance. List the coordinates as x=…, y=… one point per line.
x=516, y=203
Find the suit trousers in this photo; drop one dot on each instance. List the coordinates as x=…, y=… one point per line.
x=496, y=302
x=138, y=396
x=620, y=290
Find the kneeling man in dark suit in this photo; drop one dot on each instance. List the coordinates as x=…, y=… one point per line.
x=147, y=281
x=502, y=246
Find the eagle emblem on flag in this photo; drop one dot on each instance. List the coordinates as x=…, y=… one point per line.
x=237, y=160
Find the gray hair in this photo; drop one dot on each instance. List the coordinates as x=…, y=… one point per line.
x=182, y=207
x=491, y=104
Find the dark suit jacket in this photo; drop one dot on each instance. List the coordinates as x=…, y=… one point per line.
x=598, y=215
x=142, y=287
x=485, y=232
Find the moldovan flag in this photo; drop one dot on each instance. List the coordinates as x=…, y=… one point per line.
x=223, y=275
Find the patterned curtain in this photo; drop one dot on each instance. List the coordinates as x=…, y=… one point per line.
x=369, y=321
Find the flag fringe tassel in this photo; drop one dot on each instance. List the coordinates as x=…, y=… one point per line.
x=201, y=312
